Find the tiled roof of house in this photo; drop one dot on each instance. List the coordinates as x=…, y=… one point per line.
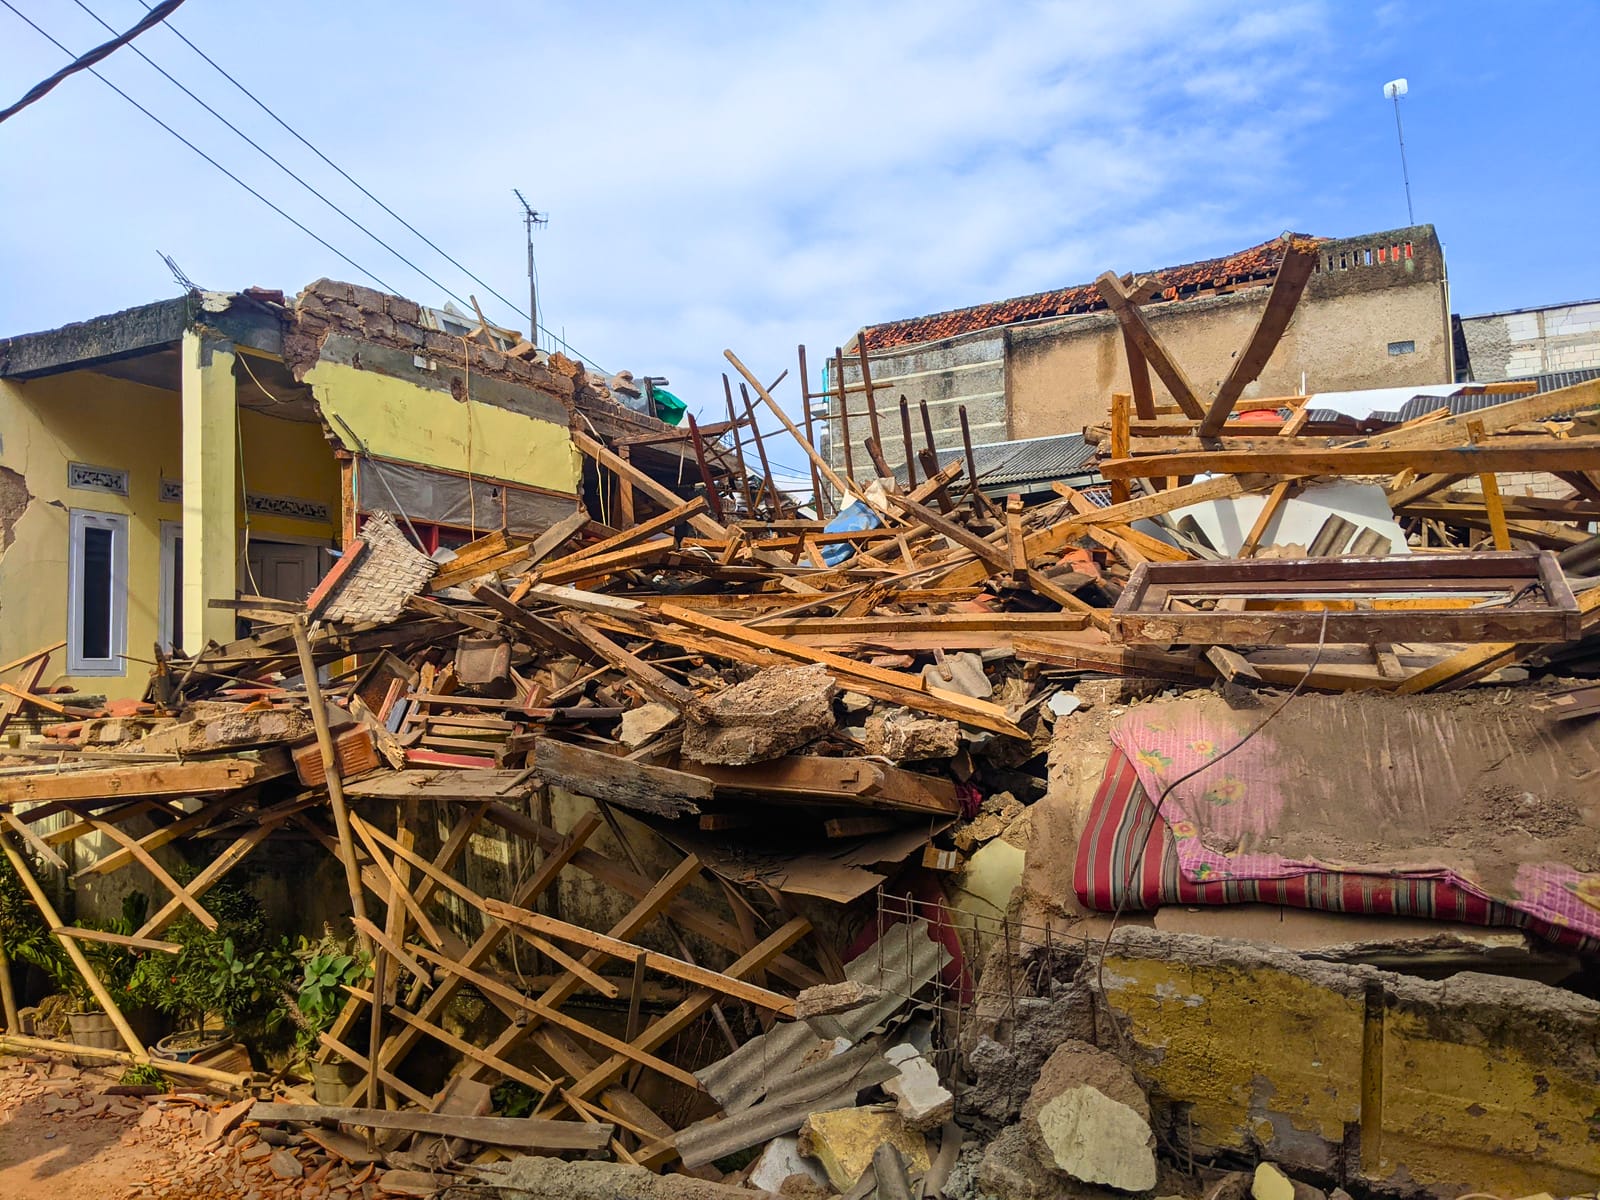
x=1257, y=264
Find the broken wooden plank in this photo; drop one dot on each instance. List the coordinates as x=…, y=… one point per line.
x=634, y=785
x=162, y=779
x=1504, y=454
x=1121, y=303
x=519, y=1133
x=1294, y=271
x=910, y=690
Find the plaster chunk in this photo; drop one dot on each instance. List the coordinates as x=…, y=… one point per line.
x=641, y=724
x=843, y=1141
x=769, y=715
x=1088, y=1119
x=920, y=1098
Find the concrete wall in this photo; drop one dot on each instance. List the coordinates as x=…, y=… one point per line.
x=1057, y=376
x=1474, y=1082
x=967, y=370
x=1061, y=373
x=1536, y=341
x=85, y=417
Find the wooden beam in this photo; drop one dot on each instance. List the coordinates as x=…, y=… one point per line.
x=1299, y=261
x=662, y=495
x=817, y=460
x=518, y=1133
x=159, y=779
x=1136, y=329
x=911, y=690
x=1497, y=455
x=626, y=951
x=668, y=1026
x=636, y=786
x=644, y=529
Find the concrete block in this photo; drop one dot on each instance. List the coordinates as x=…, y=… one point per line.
x=780, y=1160
x=920, y=1098
x=1088, y=1119
x=641, y=724
x=826, y=999
x=843, y=1141
x=767, y=716
x=903, y=736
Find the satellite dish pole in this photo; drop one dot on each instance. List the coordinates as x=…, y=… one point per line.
x=530, y=220
x=1393, y=90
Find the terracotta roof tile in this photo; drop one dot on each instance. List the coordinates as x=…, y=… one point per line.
x=1254, y=265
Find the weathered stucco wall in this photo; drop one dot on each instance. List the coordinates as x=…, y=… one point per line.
x=1061, y=374
x=418, y=396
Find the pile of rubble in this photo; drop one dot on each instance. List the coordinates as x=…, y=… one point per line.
x=776, y=718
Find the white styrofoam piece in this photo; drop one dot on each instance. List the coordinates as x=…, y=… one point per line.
x=1226, y=522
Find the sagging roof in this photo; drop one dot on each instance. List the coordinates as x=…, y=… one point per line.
x=1257, y=264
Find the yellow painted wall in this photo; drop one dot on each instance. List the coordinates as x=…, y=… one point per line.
x=401, y=420
x=1486, y=1086
x=81, y=416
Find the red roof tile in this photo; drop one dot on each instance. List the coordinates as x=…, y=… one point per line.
x=1255, y=265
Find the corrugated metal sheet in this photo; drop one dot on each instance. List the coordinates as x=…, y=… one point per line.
x=1555, y=380
x=1027, y=460
x=903, y=961
x=791, y=1097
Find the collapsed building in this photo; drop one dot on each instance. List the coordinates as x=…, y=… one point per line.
x=1224, y=827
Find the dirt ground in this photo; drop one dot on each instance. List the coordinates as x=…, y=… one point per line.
x=63, y=1138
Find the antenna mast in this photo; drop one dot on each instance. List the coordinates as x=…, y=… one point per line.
x=530, y=220
x=1394, y=90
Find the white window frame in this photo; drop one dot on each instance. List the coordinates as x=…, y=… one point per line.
x=171, y=531
x=81, y=519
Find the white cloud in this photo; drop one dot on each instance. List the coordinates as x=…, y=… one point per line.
x=720, y=175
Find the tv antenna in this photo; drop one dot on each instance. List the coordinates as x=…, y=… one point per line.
x=1393, y=90
x=530, y=221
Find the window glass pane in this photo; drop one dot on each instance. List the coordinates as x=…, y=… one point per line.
x=95, y=598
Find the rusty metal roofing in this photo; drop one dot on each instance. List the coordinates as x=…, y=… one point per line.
x=1257, y=264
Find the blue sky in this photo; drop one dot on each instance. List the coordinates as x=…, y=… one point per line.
x=755, y=176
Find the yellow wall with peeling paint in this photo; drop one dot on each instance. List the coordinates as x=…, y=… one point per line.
x=1466, y=1096
x=402, y=420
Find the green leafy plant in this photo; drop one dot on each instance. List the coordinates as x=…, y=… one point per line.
x=513, y=1099
x=143, y=1075
x=328, y=967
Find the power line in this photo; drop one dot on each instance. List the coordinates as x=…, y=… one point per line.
x=83, y=62
x=347, y=176
x=302, y=228
x=278, y=163
x=424, y=238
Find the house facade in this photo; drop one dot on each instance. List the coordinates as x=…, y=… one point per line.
x=1375, y=314
x=217, y=445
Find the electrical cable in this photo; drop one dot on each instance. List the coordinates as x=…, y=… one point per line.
x=277, y=162
x=298, y=136
x=536, y=319
x=1135, y=857
x=323, y=242
x=85, y=61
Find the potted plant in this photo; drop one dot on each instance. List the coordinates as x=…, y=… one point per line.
x=116, y=966
x=225, y=984
x=329, y=967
